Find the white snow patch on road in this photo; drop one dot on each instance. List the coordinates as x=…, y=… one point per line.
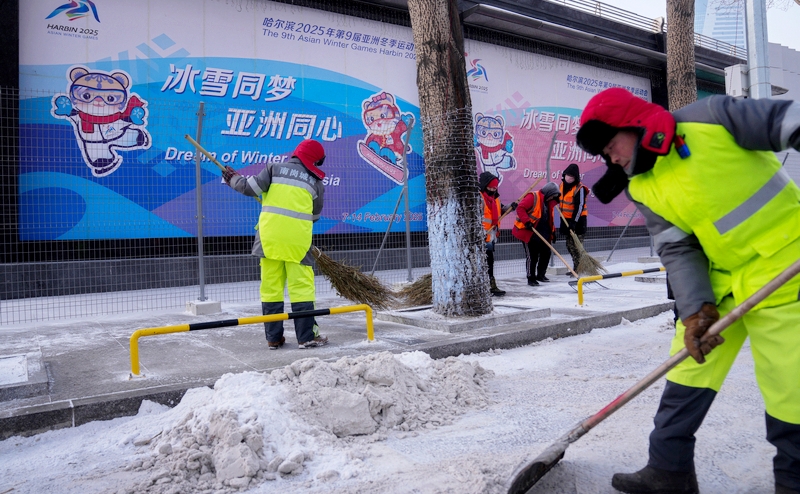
x=404, y=424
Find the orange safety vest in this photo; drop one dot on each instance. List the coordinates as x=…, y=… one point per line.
x=535, y=213
x=491, y=232
x=567, y=204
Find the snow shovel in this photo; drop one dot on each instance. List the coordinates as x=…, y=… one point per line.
x=529, y=473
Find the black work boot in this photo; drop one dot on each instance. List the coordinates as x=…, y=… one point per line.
x=651, y=480
x=493, y=288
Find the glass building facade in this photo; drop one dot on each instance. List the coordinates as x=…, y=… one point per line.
x=723, y=20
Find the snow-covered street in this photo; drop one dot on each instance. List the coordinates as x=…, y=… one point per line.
x=404, y=424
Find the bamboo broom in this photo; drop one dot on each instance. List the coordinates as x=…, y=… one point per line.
x=348, y=281
x=586, y=263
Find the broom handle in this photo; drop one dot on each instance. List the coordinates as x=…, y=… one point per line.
x=540, y=235
x=556, y=253
x=209, y=156
x=715, y=329
x=567, y=222
x=204, y=152
x=562, y=215
x=521, y=197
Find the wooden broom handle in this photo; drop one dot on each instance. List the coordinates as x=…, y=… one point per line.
x=562, y=215
x=205, y=153
x=210, y=157
x=521, y=198
x=563, y=218
x=556, y=253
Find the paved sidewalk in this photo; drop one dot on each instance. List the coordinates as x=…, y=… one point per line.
x=80, y=370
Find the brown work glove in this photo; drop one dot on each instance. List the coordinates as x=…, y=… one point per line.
x=696, y=326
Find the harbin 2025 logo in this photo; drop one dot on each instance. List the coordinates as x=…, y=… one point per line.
x=105, y=116
x=76, y=10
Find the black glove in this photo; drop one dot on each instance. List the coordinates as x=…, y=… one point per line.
x=228, y=174
x=696, y=326
x=513, y=205
x=530, y=225
x=571, y=224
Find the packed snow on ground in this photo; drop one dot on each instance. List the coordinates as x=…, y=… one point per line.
x=404, y=424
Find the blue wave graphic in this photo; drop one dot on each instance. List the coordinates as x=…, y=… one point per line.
x=103, y=213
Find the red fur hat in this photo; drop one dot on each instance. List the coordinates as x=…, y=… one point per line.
x=310, y=152
x=616, y=108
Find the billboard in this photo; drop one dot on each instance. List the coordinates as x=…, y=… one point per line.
x=109, y=89
x=526, y=114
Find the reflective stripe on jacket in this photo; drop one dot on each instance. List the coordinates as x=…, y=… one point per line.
x=491, y=230
x=287, y=212
x=740, y=204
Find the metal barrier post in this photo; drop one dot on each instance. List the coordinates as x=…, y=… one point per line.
x=581, y=281
x=134, y=340
x=407, y=208
x=199, y=193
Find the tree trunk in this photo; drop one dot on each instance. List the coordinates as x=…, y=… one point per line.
x=681, y=78
x=458, y=260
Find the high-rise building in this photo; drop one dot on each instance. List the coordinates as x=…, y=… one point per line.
x=723, y=20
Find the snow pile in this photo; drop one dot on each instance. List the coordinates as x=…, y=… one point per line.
x=255, y=427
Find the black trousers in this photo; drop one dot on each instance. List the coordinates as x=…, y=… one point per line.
x=537, y=256
x=303, y=326
x=680, y=413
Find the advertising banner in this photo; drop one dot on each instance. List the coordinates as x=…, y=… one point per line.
x=109, y=89
x=527, y=112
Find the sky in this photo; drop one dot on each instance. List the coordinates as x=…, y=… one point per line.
x=781, y=25
x=405, y=423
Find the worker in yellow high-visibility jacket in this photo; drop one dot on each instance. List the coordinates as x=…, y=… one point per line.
x=291, y=196
x=725, y=218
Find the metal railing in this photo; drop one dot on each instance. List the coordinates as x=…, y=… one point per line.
x=657, y=25
x=180, y=328
x=612, y=13
x=589, y=279
x=719, y=46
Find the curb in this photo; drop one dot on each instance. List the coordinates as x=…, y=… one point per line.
x=522, y=337
x=36, y=419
